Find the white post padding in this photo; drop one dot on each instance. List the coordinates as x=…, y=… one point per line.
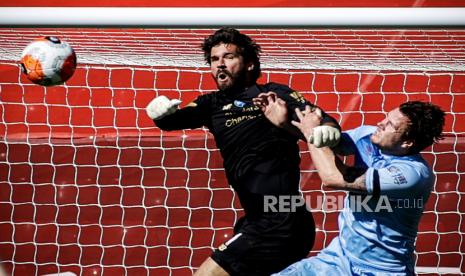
x=235, y=17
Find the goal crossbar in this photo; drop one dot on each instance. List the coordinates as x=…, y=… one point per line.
x=237, y=17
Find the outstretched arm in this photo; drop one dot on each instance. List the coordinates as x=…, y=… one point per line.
x=332, y=171
x=167, y=115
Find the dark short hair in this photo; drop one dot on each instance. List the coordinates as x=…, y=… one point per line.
x=426, y=124
x=247, y=47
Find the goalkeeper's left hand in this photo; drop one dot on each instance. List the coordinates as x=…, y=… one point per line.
x=324, y=136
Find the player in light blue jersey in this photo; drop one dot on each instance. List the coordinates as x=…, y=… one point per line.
x=388, y=186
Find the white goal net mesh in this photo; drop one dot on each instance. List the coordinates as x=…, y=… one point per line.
x=89, y=185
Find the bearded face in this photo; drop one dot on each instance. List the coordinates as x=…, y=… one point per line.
x=227, y=66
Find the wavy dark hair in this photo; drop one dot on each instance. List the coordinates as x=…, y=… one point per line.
x=247, y=47
x=426, y=124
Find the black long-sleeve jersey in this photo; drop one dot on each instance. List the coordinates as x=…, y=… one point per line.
x=246, y=139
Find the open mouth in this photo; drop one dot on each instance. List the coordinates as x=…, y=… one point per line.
x=222, y=75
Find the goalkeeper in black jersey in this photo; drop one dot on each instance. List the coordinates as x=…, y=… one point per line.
x=260, y=159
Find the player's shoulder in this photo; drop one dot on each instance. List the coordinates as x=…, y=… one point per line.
x=276, y=87
x=412, y=172
x=366, y=130
x=207, y=97
x=207, y=100
x=415, y=162
x=361, y=132
x=284, y=92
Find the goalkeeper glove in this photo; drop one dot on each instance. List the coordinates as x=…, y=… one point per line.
x=325, y=136
x=161, y=106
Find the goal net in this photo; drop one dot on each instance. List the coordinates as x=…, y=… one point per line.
x=88, y=184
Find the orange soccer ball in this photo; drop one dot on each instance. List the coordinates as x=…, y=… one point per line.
x=48, y=61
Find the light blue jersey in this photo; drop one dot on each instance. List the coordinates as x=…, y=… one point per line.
x=378, y=229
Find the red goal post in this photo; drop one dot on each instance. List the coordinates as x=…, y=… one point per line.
x=88, y=185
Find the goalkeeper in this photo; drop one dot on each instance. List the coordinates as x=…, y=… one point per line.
x=388, y=187
x=259, y=159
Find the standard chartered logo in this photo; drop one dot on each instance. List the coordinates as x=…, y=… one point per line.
x=245, y=113
x=235, y=121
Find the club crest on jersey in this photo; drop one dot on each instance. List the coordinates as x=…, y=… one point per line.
x=239, y=104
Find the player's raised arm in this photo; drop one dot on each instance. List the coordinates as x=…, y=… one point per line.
x=273, y=107
x=295, y=100
x=161, y=106
x=168, y=116
x=332, y=171
x=327, y=133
